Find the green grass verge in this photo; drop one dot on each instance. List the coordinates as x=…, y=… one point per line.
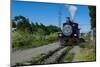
x=21, y=40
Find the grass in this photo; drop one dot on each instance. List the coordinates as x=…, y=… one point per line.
x=88, y=52
x=21, y=40
x=69, y=57
x=87, y=55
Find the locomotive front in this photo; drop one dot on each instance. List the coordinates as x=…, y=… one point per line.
x=70, y=33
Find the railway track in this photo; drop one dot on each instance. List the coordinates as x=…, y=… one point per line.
x=51, y=57
x=56, y=57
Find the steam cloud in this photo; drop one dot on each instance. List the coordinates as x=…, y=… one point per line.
x=72, y=10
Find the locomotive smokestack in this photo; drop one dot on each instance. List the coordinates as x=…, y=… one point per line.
x=68, y=20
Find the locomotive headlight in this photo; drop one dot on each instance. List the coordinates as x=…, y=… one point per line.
x=59, y=34
x=67, y=30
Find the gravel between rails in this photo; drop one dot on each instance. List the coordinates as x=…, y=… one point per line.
x=55, y=57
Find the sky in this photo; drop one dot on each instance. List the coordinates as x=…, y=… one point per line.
x=48, y=14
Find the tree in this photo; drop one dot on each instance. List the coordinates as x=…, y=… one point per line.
x=23, y=23
x=92, y=13
x=52, y=29
x=13, y=24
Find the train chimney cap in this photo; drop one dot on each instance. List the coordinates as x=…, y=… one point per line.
x=68, y=20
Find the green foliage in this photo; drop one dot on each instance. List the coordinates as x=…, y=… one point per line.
x=21, y=40
x=88, y=52
x=69, y=57
x=23, y=24
x=87, y=55
x=29, y=34
x=43, y=40
x=88, y=45
x=52, y=29
x=92, y=13
x=13, y=24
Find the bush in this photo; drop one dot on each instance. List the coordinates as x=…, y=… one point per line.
x=89, y=45
x=88, y=51
x=82, y=40
x=22, y=40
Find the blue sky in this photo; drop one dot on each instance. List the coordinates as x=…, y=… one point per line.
x=48, y=13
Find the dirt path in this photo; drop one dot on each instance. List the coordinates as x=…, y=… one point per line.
x=28, y=54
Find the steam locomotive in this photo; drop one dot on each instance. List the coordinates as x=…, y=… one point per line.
x=69, y=34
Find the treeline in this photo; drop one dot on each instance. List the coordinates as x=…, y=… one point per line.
x=29, y=34
x=23, y=24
